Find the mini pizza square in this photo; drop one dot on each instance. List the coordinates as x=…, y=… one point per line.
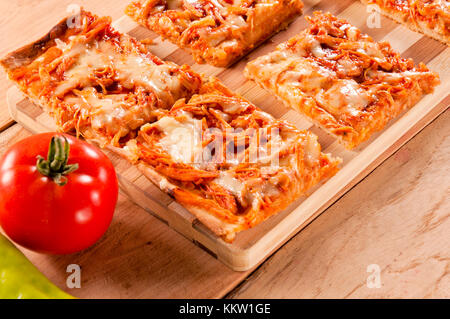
x=341, y=79
x=96, y=81
x=217, y=32
x=226, y=161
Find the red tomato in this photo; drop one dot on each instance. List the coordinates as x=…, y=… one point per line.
x=39, y=212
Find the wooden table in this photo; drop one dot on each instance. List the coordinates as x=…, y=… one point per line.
x=396, y=219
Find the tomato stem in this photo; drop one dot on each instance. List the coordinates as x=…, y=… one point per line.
x=55, y=166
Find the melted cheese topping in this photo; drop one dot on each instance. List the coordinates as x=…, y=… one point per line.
x=231, y=184
x=314, y=46
x=291, y=70
x=345, y=96
x=294, y=75
x=112, y=113
x=269, y=153
x=271, y=167
x=130, y=70
x=182, y=140
x=312, y=149
x=213, y=36
x=106, y=112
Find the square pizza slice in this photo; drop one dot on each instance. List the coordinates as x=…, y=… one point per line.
x=229, y=163
x=341, y=79
x=226, y=161
x=217, y=32
x=97, y=81
x=430, y=17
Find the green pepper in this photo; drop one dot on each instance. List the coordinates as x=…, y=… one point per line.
x=19, y=279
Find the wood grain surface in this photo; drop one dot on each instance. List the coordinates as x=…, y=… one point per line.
x=396, y=218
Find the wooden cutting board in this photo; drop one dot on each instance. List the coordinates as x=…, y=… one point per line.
x=251, y=247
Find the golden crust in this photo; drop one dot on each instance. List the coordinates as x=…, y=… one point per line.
x=28, y=53
x=216, y=32
x=341, y=79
